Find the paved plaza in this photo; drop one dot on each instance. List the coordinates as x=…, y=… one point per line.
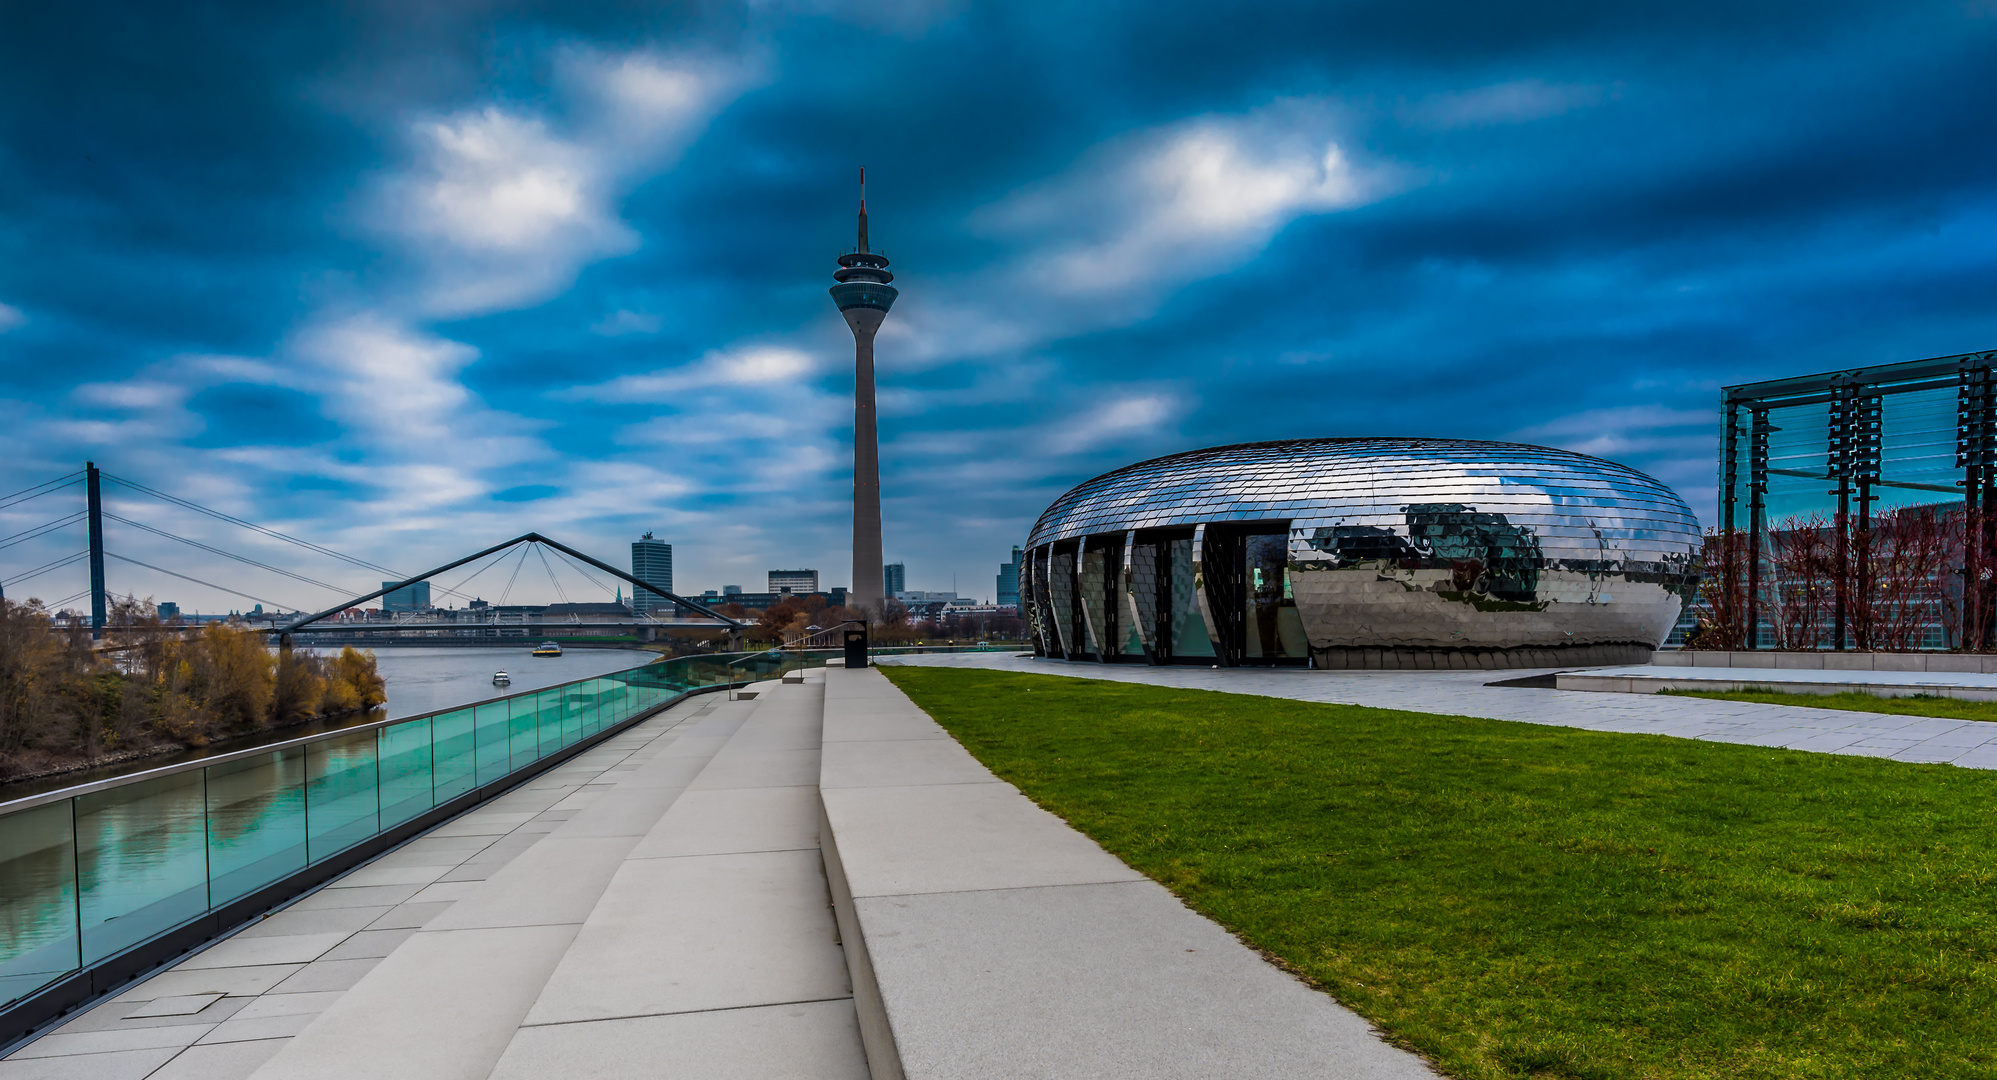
x=1969, y=743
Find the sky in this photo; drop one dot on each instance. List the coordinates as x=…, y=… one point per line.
x=409, y=279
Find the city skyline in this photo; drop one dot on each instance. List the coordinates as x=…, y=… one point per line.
x=406, y=282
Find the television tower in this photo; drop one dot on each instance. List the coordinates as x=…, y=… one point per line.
x=864, y=297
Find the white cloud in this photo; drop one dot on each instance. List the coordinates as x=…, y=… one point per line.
x=1186, y=201
x=746, y=366
x=503, y=208
x=140, y=393
x=1112, y=420
x=10, y=317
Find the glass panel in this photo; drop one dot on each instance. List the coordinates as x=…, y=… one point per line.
x=1093, y=626
x=452, y=743
x=141, y=864
x=403, y=760
x=342, y=802
x=38, y=937
x=524, y=738
x=489, y=722
x=569, y=700
x=1274, y=629
x=1189, y=628
x=1061, y=595
x=256, y=822
x=591, y=692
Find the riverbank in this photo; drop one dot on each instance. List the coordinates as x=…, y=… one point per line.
x=417, y=680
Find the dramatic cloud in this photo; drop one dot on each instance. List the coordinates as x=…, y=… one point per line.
x=406, y=280
x=504, y=207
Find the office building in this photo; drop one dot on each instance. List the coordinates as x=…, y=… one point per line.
x=168, y=610
x=793, y=582
x=1008, y=579
x=1363, y=553
x=894, y=578
x=414, y=596
x=651, y=563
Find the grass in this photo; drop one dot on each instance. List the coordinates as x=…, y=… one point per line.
x=1514, y=900
x=1856, y=701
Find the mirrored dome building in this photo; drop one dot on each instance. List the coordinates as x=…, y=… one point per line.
x=1363, y=553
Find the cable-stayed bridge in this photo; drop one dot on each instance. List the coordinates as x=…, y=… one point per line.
x=343, y=620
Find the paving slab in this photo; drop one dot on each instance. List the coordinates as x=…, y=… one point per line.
x=251, y=951
x=121, y=1065
x=442, y=1007
x=954, y=837
x=1101, y=980
x=706, y=932
x=987, y=938
x=819, y=1040
x=719, y=822
x=899, y=763
x=226, y=1061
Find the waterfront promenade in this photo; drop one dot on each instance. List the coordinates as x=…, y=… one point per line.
x=816, y=881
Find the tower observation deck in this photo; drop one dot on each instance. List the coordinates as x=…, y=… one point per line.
x=864, y=295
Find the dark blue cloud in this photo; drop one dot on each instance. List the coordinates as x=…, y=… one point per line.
x=407, y=275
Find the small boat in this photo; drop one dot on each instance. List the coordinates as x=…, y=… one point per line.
x=500, y=678
x=547, y=648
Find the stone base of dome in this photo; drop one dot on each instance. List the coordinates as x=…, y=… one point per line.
x=1522, y=656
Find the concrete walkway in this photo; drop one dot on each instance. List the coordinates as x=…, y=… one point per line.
x=989, y=939
x=1649, y=679
x=655, y=907
x=1968, y=743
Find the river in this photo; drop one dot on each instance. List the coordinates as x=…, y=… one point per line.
x=422, y=680
x=419, y=680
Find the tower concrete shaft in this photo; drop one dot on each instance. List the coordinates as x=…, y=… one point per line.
x=864, y=296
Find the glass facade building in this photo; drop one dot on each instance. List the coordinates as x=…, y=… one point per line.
x=1008, y=579
x=651, y=563
x=1362, y=553
x=412, y=597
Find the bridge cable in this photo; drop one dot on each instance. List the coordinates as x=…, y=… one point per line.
x=559, y=591
x=578, y=568
x=198, y=581
x=225, y=554
x=11, y=500
x=43, y=529
x=45, y=568
x=467, y=579
x=516, y=576
x=57, y=606
x=273, y=533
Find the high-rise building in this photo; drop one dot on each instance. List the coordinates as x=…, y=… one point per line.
x=864, y=297
x=793, y=582
x=168, y=610
x=651, y=563
x=894, y=578
x=414, y=596
x=1008, y=579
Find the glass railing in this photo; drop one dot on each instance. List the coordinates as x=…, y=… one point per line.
x=91, y=871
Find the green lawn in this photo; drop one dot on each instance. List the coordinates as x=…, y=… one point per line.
x=1514, y=900
x=1916, y=705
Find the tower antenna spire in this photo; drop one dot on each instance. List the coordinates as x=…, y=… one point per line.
x=864, y=294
